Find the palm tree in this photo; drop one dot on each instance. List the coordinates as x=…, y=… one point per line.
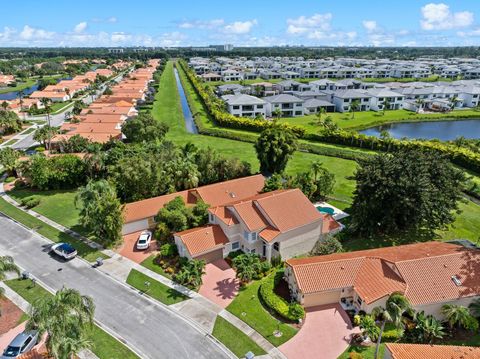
x=65, y=317
x=453, y=102
x=317, y=166
x=396, y=306
x=6, y=265
x=246, y=266
x=320, y=113
x=354, y=106
x=277, y=113
x=419, y=102
x=429, y=327
x=369, y=327
x=458, y=315
x=386, y=105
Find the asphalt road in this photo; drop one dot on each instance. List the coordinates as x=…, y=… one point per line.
x=153, y=330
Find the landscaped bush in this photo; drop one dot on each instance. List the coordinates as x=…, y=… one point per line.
x=168, y=250
x=9, y=179
x=289, y=311
x=248, y=266
x=30, y=202
x=328, y=246
x=162, y=233
x=190, y=274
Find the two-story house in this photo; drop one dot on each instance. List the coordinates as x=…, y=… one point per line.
x=287, y=105
x=242, y=105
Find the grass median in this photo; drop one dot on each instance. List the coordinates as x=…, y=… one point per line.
x=104, y=345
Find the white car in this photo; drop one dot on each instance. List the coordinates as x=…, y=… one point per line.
x=64, y=250
x=144, y=240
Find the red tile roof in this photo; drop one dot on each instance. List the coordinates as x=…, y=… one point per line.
x=422, y=271
x=203, y=239
x=415, y=351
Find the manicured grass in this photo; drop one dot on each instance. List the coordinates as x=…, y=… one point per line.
x=366, y=352
x=248, y=302
x=234, y=339
x=57, y=205
x=30, y=130
x=367, y=119
x=84, y=250
x=20, y=86
x=148, y=263
x=157, y=290
x=466, y=226
x=103, y=344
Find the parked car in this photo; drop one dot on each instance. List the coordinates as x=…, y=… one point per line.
x=144, y=240
x=64, y=250
x=22, y=343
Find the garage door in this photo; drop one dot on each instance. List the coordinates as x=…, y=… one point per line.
x=311, y=300
x=211, y=256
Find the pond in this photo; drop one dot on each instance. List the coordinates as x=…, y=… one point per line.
x=187, y=114
x=7, y=96
x=442, y=130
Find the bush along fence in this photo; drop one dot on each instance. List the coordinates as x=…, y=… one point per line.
x=460, y=156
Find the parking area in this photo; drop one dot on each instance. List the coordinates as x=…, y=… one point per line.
x=128, y=249
x=325, y=334
x=219, y=283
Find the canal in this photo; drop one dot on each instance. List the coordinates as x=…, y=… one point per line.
x=442, y=130
x=187, y=114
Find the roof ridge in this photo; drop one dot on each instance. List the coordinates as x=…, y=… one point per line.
x=431, y=256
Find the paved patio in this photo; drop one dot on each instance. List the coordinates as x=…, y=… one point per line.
x=325, y=334
x=127, y=249
x=11, y=314
x=219, y=283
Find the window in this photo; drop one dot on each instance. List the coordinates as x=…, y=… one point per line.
x=359, y=301
x=211, y=218
x=245, y=235
x=27, y=341
x=236, y=107
x=235, y=246
x=259, y=106
x=276, y=246
x=253, y=236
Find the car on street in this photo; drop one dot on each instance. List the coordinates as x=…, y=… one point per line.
x=22, y=343
x=144, y=240
x=64, y=250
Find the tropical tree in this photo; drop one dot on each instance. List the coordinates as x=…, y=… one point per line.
x=453, y=102
x=246, y=266
x=354, y=107
x=459, y=316
x=274, y=147
x=66, y=317
x=101, y=211
x=419, y=102
x=191, y=273
x=429, y=328
x=8, y=159
x=369, y=327
x=277, y=113
x=4, y=105
x=6, y=265
x=44, y=135
x=386, y=105
x=144, y=128
x=9, y=122
x=475, y=308
x=396, y=306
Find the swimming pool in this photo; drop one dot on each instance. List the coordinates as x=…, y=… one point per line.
x=326, y=210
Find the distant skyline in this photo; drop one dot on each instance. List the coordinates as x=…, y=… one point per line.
x=53, y=23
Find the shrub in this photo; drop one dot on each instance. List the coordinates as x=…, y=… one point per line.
x=289, y=311
x=328, y=246
x=355, y=355
x=9, y=179
x=40, y=149
x=233, y=255
x=168, y=250
x=356, y=320
x=276, y=261
x=162, y=233
x=30, y=202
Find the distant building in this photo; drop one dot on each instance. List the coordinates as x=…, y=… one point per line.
x=115, y=51
x=226, y=47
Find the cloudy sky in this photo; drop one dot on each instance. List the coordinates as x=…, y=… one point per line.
x=242, y=23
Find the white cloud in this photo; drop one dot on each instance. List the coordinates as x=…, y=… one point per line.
x=31, y=33
x=240, y=27
x=304, y=24
x=80, y=27
x=171, y=39
x=472, y=33
x=200, y=24
x=112, y=19
x=439, y=17
x=369, y=25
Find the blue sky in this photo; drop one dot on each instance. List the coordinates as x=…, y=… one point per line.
x=242, y=23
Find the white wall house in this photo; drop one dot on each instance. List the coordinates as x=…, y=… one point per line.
x=288, y=105
x=344, y=99
x=242, y=105
x=380, y=96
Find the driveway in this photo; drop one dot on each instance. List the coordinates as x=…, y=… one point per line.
x=325, y=334
x=152, y=329
x=128, y=249
x=219, y=283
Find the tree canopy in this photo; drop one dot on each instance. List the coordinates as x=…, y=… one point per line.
x=275, y=146
x=144, y=128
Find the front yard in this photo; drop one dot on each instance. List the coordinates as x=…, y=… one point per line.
x=248, y=307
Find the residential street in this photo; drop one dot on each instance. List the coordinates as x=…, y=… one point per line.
x=151, y=329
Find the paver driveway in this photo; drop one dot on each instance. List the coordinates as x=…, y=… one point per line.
x=128, y=249
x=219, y=283
x=325, y=334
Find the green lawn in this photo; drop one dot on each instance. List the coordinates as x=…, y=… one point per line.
x=58, y=205
x=234, y=339
x=20, y=86
x=157, y=290
x=148, y=263
x=248, y=302
x=85, y=251
x=371, y=118
x=103, y=344
x=366, y=352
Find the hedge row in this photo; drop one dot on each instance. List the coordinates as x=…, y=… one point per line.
x=289, y=311
x=216, y=109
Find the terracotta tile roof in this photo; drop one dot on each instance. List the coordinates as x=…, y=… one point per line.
x=288, y=209
x=203, y=239
x=329, y=224
x=422, y=271
x=250, y=215
x=224, y=214
x=415, y=351
x=269, y=233
x=215, y=195
x=221, y=193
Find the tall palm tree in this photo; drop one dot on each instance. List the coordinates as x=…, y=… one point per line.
x=46, y=104
x=354, y=106
x=7, y=265
x=317, y=166
x=65, y=317
x=386, y=105
x=453, y=102
x=320, y=114
x=396, y=306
